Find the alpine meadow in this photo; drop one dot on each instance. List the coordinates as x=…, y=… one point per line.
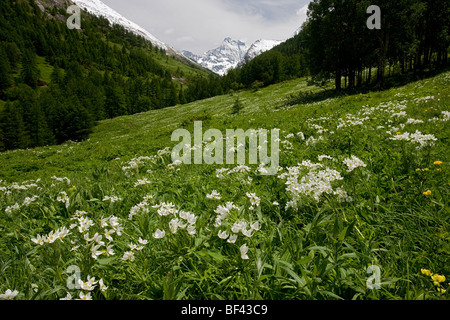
x=94, y=207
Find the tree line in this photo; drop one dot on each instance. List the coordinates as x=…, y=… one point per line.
x=335, y=43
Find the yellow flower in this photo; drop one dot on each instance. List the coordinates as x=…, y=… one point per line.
x=426, y=169
x=426, y=272
x=418, y=170
x=427, y=193
x=399, y=133
x=438, y=163
x=441, y=290
x=438, y=278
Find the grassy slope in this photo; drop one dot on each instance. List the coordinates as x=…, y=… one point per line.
x=321, y=251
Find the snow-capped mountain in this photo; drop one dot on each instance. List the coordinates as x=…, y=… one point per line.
x=98, y=8
x=219, y=60
x=230, y=54
x=259, y=47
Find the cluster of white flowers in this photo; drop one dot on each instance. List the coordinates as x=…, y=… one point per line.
x=9, y=295
x=223, y=212
x=306, y=179
x=110, y=225
x=353, y=163
x=64, y=198
x=342, y=195
x=141, y=207
x=239, y=169
x=130, y=255
x=67, y=180
x=301, y=135
x=414, y=121
x=51, y=237
x=10, y=209
x=214, y=195
x=87, y=287
x=320, y=158
x=351, y=121
x=15, y=186
x=142, y=182
x=185, y=220
x=241, y=226
x=422, y=139
x=220, y=173
x=254, y=200
x=175, y=165
x=311, y=140
x=445, y=117
x=287, y=145
x=28, y=201
x=135, y=163
x=181, y=220
x=112, y=199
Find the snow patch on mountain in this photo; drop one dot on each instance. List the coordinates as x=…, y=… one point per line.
x=219, y=60
x=259, y=47
x=230, y=54
x=98, y=8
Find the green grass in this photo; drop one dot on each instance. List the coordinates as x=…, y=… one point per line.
x=313, y=250
x=45, y=69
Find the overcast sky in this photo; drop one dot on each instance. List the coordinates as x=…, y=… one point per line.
x=200, y=25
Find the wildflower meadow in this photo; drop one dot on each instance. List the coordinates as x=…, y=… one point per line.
x=362, y=180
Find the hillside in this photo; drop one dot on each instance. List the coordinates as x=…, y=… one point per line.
x=56, y=82
x=363, y=181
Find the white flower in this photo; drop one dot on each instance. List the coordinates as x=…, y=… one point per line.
x=254, y=200
x=38, y=240
x=255, y=226
x=129, y=255
x=10, y=209
x=142, y=182
x=67, y=297
x=174, y=224
x=87, y=285
x=112, y=199
x=51, y=237
x=86, y=296
x=244, y=250
x=62, y=197
x=109, y=251
x=8, y=295
x=223, y=235
x=159, y=234
x=353, y=163
x=62, y=233
x=143, y=242
x=248, y=233
x=108, y=234
x=232, y=238
x=275, y=203
x=95, y=252
x=102, y=285
x=28, y=201
x=191, y=230
x=214, y=195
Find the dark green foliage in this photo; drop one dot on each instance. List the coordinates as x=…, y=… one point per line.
x=414, y=35
x=237, y=106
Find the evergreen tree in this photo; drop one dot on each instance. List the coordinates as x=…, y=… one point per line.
x=5, y=71
x=30, y=71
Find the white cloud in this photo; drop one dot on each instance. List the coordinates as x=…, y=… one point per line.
x=200, y=25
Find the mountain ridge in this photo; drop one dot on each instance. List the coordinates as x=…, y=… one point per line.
x=230, y=54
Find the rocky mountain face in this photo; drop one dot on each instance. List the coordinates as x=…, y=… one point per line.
x=230, y=54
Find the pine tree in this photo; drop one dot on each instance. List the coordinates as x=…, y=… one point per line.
x=30, y=71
